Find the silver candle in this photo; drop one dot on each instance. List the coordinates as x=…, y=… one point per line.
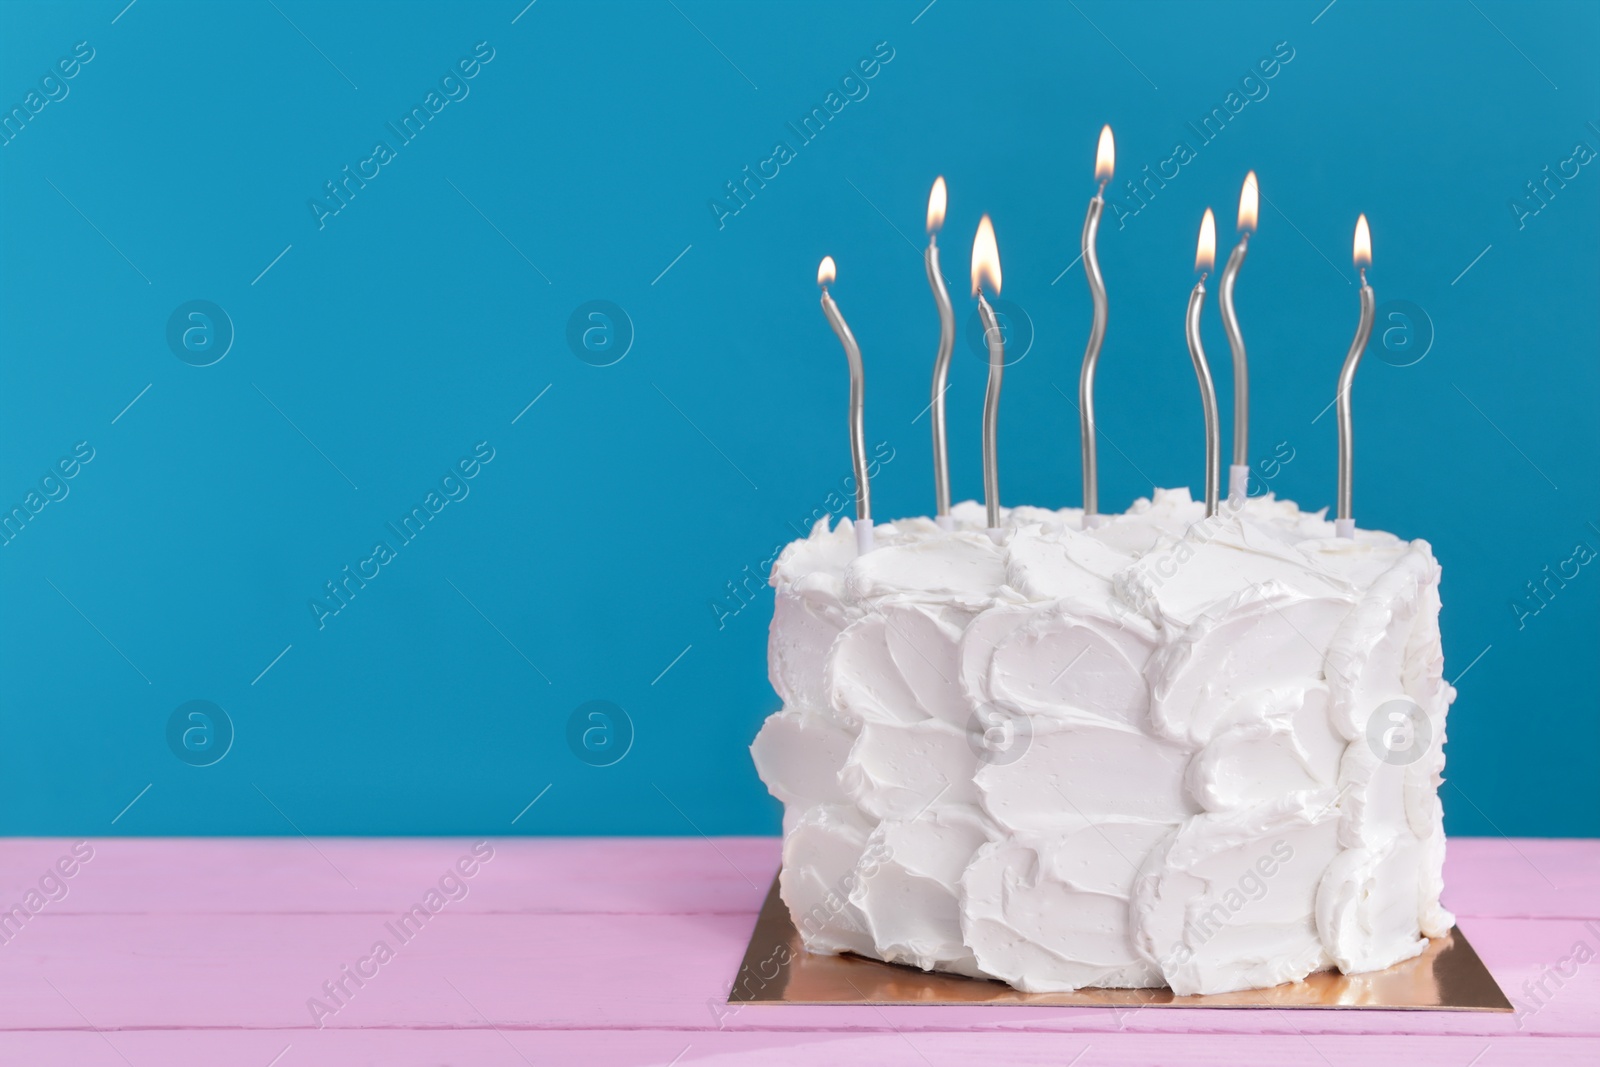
x=986, y=267
x=858, y=395
x=1345, y=524
x=941, y=361
x=1104, y=166
x=1239, y=472
x=1204, y=257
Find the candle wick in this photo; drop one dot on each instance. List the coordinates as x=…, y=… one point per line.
x=1102, y=191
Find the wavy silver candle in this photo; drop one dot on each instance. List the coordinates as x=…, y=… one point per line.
x=1345, y=524
x=941, y=361
x=826, y=272
x=1204, y=257
x=986, y=267
x=1239, y=472
x=1104, y=167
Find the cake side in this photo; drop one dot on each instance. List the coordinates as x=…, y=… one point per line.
x=1135, y=756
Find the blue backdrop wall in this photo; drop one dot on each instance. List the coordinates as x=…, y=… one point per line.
x=275, y=272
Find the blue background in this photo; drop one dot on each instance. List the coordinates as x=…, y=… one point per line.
x=428, y=312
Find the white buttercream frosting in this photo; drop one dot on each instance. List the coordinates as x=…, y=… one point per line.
x=1168, y=750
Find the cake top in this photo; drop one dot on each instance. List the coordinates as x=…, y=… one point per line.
x=1161, y=563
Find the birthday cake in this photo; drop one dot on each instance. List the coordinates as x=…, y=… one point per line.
x=1169, y=750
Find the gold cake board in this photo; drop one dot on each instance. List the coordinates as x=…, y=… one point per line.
x=1448, y=976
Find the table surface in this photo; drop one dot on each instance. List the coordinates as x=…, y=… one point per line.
x=621, y=951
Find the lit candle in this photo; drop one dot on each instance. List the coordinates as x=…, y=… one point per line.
x=1345, y=525
x=1205, y=254
x=1104, y=164
x=986, y=267
x=858, y=393
x=1239, y=472
x=941, y=362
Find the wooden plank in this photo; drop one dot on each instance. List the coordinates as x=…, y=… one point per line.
x=1495, y=877
x=611, y=971
x=883, y=1048
x=289, y=875
x=1528, y=877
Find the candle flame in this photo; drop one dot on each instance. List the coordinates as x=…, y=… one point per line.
x=1105, y=157
x=826, y=272
x=985, y=258
x=1363, y=243
x=936, y=202
x=1249, y=203
x=1205, y=253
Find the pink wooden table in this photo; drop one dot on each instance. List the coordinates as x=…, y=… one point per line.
x=618, y=951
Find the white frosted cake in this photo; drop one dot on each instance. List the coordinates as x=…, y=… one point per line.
x=1169, y=751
